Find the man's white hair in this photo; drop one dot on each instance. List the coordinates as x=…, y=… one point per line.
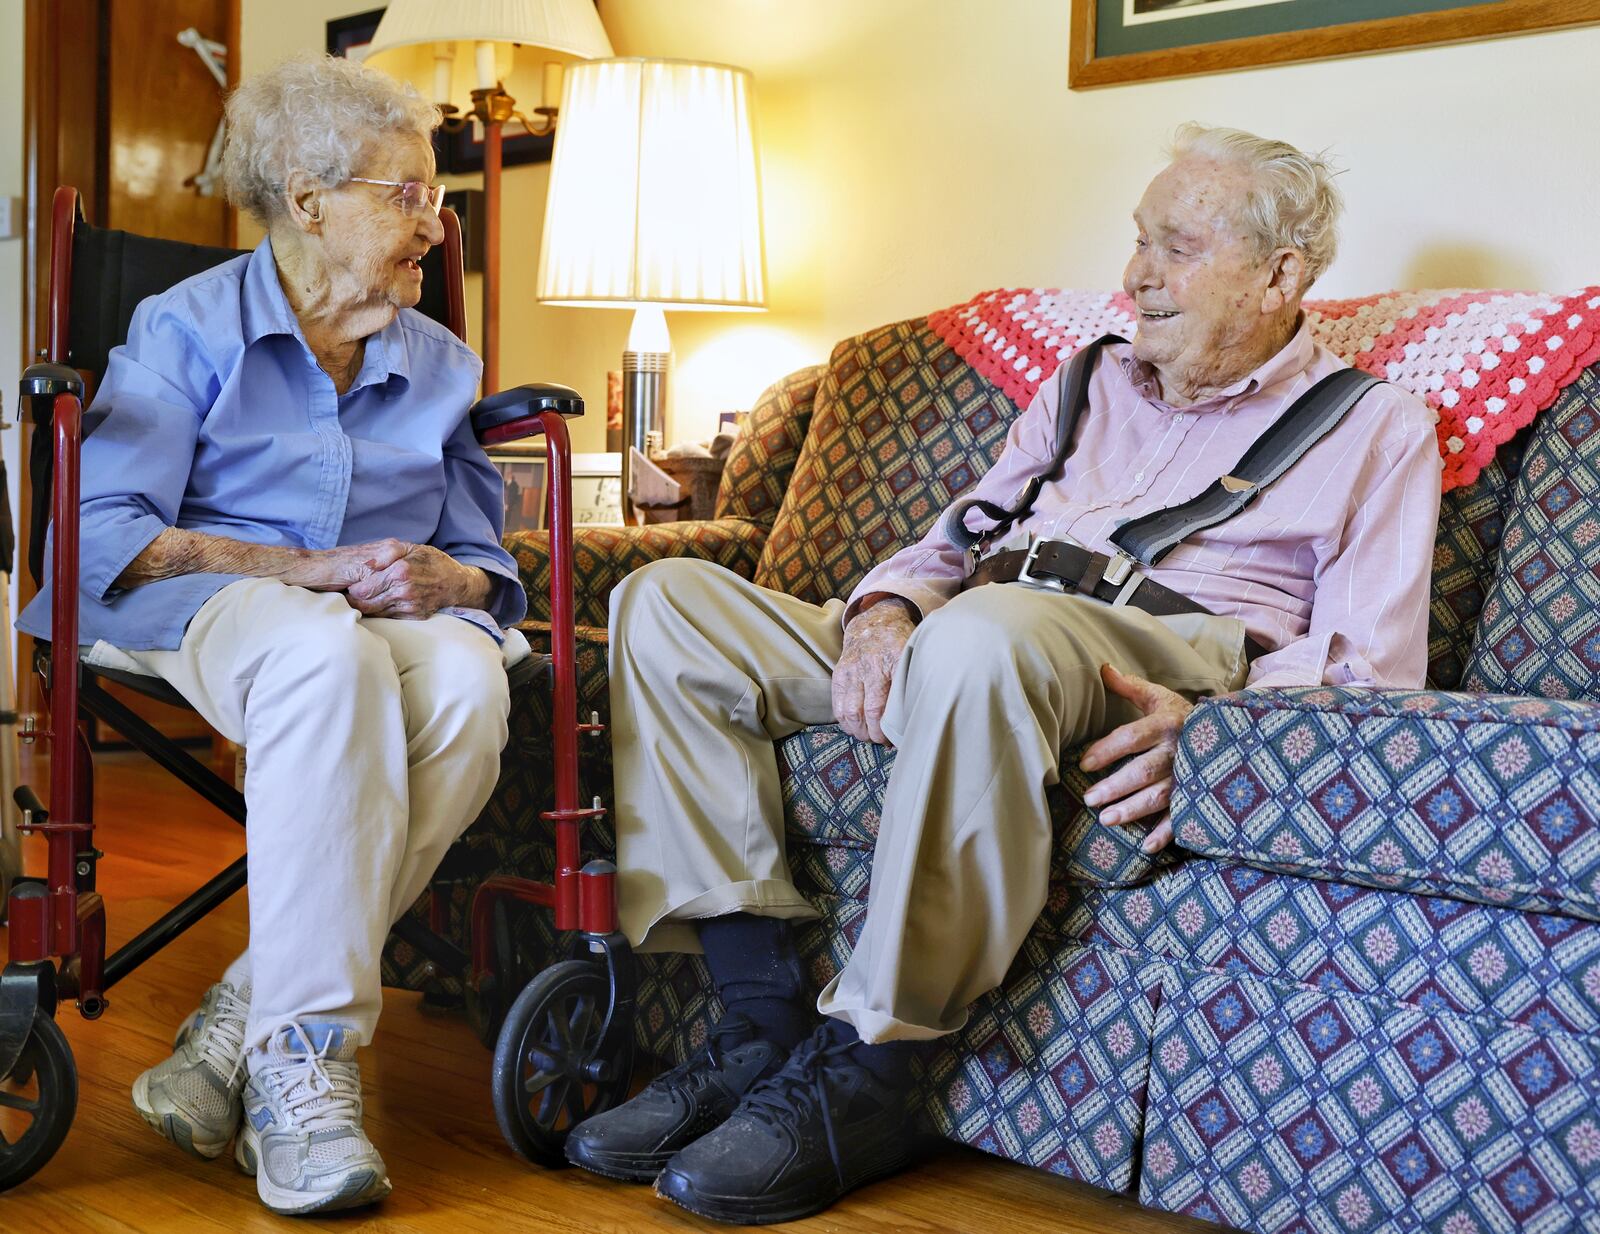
x=1294, y=203
x=316, y=114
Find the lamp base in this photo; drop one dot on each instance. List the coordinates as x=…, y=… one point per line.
x=645, y=365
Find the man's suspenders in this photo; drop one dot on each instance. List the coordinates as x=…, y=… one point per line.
x=1149, y=538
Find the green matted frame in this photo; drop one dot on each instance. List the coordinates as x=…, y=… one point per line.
x=1218, y=36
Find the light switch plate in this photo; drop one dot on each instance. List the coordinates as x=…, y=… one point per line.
x=10, y=218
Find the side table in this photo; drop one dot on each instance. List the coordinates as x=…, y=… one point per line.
x=698, y=479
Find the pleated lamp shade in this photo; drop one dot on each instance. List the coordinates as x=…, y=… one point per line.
x=655, y=196
x=444, y=46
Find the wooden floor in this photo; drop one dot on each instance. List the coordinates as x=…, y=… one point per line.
x=426, y=1081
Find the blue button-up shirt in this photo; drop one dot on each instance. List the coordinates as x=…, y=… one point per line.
x=214, y=416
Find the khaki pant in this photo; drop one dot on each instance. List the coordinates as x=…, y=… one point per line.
x=707, y=671
x=372, y=744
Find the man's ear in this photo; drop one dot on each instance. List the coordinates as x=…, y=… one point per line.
x=1286, y=281
x=303, y=195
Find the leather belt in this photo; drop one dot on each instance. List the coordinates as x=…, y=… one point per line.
x=1080, y=571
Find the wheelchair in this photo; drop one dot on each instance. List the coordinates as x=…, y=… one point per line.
x=563, y=1044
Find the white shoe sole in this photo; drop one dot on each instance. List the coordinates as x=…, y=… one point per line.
x=173, y=1126
x=359, y=1187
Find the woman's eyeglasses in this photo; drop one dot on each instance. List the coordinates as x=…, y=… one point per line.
x=414, y=194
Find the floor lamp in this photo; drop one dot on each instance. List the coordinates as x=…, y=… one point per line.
x=655, y=203
x=459, y=55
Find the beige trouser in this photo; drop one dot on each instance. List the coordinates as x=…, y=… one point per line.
x=707, y=671
x=372, y=744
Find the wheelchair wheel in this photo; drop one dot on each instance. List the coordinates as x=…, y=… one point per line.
x=514, y=966
x=548, y=1072
x=37, y=1101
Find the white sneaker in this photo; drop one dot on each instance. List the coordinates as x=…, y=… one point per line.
x=193, y=1097
x=301, y=1136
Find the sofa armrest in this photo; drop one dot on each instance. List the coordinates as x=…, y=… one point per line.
x=1480, y=797
x=603, y=556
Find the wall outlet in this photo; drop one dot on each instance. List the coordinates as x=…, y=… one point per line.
x=10, y=218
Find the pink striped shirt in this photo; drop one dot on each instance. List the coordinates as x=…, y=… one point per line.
x=1329, y=568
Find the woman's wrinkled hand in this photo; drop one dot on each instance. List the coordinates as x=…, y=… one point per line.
x=873, y=643
x=336, y=569
x=417, y=585
x=1142, y=788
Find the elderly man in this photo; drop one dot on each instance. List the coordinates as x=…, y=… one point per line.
x=1324, y=577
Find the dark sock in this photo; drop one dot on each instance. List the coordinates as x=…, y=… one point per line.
x=889, y=1061
x=756, y=970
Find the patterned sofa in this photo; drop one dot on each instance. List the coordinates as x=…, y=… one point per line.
x=1364, y=992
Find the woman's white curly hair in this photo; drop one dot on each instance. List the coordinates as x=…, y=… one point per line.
x=1294, y=204
x=313, y=113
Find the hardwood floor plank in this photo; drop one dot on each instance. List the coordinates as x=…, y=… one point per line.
x=427, y=1085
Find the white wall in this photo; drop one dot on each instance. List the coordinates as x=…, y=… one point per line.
x=918, y=151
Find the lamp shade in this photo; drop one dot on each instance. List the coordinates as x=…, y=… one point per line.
x=654, y=192
x=435, y=44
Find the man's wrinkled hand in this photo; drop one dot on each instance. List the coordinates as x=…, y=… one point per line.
x=1141, y=788
x=418, y=585
x=873, y=643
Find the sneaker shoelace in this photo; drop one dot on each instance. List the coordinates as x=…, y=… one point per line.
x=730, y=1032
x=220, y=1041
x=319, y=1091
x=799, y=1087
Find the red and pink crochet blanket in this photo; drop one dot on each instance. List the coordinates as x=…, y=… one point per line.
x=1487, y=362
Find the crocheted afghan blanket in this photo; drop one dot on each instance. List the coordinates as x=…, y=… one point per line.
x=1486, y=362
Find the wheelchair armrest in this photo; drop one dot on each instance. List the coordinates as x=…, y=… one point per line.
x=514, y=413
x=42, y=382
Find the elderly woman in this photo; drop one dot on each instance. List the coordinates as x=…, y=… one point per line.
x=286, y=516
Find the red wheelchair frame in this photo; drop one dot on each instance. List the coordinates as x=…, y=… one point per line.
x=564, y=1049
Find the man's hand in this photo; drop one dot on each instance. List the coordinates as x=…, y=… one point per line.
x=873, y=642
x=418, y=585
x=1143, y=787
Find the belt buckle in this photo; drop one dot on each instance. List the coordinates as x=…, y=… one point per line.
x=1026, y=574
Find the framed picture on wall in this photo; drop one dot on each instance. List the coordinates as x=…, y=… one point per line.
x=523, y=470
x=1119, y=41
x=454, y=153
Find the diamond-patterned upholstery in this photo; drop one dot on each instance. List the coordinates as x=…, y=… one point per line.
x=901, y=426
x=1481, y=797
x=1540, y=632
x=1381, y=927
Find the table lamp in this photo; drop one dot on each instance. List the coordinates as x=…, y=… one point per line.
x=655, y=203
x=459, y=55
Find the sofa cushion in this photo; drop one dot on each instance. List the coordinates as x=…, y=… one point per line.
x=1471, y=520
x=901, y=426
x=1540, y=632
x=762, y=459
x=1483, y=798
x=1276, y=1107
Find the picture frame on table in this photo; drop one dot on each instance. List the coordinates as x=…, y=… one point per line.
x=524, y=472
x=1120, y=41
x=597, y=490
x=454, y=153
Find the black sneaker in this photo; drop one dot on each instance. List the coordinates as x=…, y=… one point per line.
x=822, y=1126
x=636, y=1139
